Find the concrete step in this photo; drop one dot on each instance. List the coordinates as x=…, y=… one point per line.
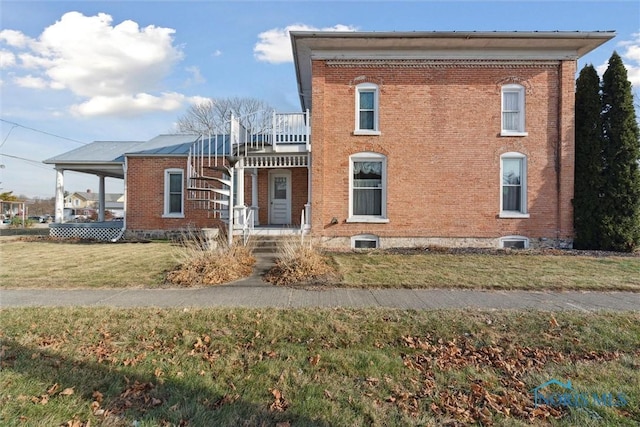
x=269, y=244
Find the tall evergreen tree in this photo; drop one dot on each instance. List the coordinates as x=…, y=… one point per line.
x=588, y=163
x=620, y=226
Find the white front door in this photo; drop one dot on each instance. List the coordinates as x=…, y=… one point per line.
x=280, y=198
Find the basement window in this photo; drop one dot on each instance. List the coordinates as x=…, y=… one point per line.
x=514, y=242
x=365, y=241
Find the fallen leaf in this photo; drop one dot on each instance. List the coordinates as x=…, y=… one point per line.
x=67, y=391
x=53, y=389
x=314, y=360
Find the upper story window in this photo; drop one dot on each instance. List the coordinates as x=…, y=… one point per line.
x=368, y=188
x=173, y=193
x=367, y=109
x=513, y=110
x=513, y=188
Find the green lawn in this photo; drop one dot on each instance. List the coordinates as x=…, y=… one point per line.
x=39, y=264
x=314, y=367
x=488, y=271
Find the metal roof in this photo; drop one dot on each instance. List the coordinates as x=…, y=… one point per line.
x=436, y=45
x=107, y=157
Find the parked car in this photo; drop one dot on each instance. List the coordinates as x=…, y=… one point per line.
x=38, y=219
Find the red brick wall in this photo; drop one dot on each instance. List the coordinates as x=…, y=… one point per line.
x=440, y=130
x=145, y=196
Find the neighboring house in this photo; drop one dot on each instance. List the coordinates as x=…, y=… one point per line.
x=418, y=138
x=86, y=202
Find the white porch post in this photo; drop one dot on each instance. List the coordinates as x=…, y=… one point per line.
x=101, y=199
x=240, y=206
x=254, y=196
x=59, y=214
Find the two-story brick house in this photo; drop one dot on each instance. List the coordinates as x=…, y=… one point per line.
x=409, y=138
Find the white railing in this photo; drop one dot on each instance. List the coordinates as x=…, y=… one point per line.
x=248, y=225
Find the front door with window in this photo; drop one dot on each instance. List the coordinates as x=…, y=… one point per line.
x=280, y=198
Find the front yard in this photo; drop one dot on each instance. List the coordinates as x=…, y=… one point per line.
x=50, y=264
x=314, y=367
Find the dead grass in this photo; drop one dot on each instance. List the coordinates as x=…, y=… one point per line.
x=209, y=261
x=301, y=263
x=503, y=270
x=60, y=264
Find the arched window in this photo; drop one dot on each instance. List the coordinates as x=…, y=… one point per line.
x=513, y=110
x=513, y=185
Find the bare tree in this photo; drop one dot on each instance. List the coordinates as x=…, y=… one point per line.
x=210, y=116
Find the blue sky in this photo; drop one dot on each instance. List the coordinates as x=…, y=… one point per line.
x=76, y=72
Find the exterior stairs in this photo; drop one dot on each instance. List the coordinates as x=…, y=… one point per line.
x=260, y=140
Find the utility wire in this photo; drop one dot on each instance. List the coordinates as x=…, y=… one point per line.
x=35, y=162
x=41, y=131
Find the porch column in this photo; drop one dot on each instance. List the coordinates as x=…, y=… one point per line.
x=239, y=207
x=101, y=199
x=254, y=196
x=59, y=214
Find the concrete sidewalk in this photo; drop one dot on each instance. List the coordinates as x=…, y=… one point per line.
x=248, y=294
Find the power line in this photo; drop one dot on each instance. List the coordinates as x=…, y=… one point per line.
x=35, y=162
x=41, y=131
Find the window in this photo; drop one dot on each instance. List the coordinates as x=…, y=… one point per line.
x=367, y=188
x=513, y=176
x=513, y=110
x=173, y=193
x=365, y=241
x=367, y=109
x=514, y=242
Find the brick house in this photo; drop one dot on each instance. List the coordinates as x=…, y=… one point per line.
x=448, y=138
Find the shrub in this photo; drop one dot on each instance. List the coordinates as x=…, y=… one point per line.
x=300, y=263
x=208, y=260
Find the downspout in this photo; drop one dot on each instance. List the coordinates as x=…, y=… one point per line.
x=124, y=219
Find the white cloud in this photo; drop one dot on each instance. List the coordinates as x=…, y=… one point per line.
x=630, y=55
x=14, y=38
x=631, y=58
x=196, y=76
x=31, y=82
x=127, y=105
x=216, y=53
x=101, y=62
x=7, y=59
x=274, y=46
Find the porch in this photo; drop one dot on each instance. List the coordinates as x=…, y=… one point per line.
x=254, y=177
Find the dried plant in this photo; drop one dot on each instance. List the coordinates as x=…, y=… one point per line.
x=207, y=259
x=300, y=262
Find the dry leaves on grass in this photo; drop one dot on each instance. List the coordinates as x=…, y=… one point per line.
x=279, y=403
x=213, y=267
x=478, y=403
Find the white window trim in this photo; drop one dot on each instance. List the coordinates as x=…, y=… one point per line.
x=368, y=87
x=365, y=237
x=372, y=219
x=514, y=239
x=524, y=213
x=166, y=213
x=521, y=106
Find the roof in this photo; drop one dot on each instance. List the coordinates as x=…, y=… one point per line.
x=107, y=157
x=91, y=196
x=436, y=45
